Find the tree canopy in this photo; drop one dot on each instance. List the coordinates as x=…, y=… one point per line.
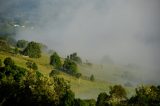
x=19, y=86
x=75, y=58
x=21, y=43
x=70, y=66
x=32, y=50
x=55, y=60
x=31, y=65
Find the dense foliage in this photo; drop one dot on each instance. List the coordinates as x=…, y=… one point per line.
x=70, y=66
x=117, y=97
x=19, y=86
x=89, y=102
x=31, y=65
x=55, y=60
x=21, y=43
x=145, y=96
x=32, y=50
x=75, y=58
x=102, y=99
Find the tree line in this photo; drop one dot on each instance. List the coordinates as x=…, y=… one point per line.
x=19, y=86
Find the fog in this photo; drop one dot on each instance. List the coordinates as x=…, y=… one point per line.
x=128, y=31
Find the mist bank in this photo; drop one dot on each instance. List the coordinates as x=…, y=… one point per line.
x=127, y=31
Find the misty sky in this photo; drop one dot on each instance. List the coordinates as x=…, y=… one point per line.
x=128, y=31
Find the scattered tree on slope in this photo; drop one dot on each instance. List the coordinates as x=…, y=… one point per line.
x=55, y=60
x=32, y=50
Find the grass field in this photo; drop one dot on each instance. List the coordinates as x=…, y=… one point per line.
x=82, y=87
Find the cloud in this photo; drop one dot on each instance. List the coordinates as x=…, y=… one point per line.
x=125, y=30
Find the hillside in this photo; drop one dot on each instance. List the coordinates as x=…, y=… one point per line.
x=83, y=87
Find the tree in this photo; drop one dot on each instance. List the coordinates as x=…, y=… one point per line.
x=22, y=43
x=87, y=102
x=53, y=73
x=68, y=99
x=55, y=60
x=92, y=77
x=11, y=70
x=32, y=50
x=70, y=66
x=9, y=62
x=32, y=65
x=79, y=102
x=146, y=96
x=33, y=88
x=102, y=99
x=117, y=94
x=75, y=58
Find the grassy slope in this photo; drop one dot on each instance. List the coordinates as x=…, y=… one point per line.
x=81, y=87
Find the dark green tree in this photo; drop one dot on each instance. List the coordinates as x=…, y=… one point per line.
x=75, y=58
x=55, y=60
x=22, y=43
x=68, y=99
x=92, y=78
x=32, y=50
x=31, y=65
x=9, y=62
x=79, y=102
x=11, y=70
x=35, y=89
x=70, y=66
x=34, y=66
x=102, y=99
x=53, y=73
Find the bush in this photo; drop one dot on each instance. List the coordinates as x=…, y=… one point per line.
x=32, y=65
x=53, y=73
